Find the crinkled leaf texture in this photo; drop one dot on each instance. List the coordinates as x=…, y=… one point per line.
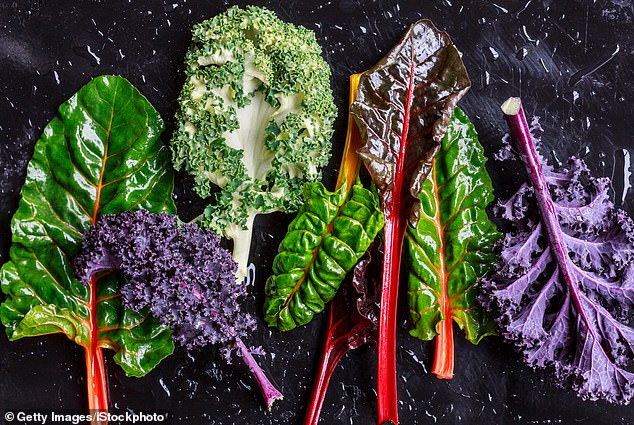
x=564, y=286
x=255, y=119
x=101, y=155
x=452, y=246
x=353, y=320
x=403, y=108
x=323, y=243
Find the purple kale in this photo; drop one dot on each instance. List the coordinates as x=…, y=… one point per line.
x=564, y=286
x=181, y=274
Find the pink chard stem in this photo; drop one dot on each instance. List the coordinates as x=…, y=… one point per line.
x=334, y=348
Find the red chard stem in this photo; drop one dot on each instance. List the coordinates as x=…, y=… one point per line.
x=95, y=368
x=443, y=366
x=387, y=395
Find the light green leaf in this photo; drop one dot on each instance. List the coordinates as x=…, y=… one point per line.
x=323, y=243
x=451, y=248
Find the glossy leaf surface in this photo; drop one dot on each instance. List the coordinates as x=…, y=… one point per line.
x=353, y=320
x=323, y=243
x=101, y=155
x=452, y=245
x=403, y=108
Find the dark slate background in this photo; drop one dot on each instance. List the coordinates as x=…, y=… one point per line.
x=572, y=63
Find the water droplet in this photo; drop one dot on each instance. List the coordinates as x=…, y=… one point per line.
x=491, y=54
x=87, y=53
x=167, y=391
x=528, y=37
x=621, y=175
x=487, y=78
x=501, y=9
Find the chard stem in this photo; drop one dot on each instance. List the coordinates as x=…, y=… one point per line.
x=394, y=231
x=443, y=366
x=95, y=368
x=333, y=352
x=333, y=348
x=350, y=161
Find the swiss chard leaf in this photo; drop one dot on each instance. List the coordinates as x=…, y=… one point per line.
x=353, y=319
x=101, y=155
x=452, y=245
x=323, y=243
x=403, y=108
x=564, y=286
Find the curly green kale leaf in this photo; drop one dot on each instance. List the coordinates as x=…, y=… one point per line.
x=255, y=118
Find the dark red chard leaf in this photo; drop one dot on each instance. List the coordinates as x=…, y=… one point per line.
x=365, y=294
x=564, y=287
x=403, y=108
x=353, y=319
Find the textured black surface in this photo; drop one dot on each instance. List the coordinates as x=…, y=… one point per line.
x=571, y=61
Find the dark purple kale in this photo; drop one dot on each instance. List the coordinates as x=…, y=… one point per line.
x=564, y=286
x=181, y=274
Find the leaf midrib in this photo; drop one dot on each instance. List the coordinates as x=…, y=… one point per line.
x=305, y=269
x=444, y=301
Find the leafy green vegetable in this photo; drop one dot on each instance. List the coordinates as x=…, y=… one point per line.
x=452, y=245
x=563, y=288
x=322, y=245
x=404, y=106
x=255, y=118
x=353, y=314
x=101, y=155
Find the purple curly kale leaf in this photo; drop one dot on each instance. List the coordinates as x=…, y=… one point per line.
x=180, y=274
x=564, y=287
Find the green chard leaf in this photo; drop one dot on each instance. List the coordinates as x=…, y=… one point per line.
x=324, y=242
x=101, y=155
x=452, y=245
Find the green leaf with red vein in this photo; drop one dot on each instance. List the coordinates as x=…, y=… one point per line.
x=403, y=108
x=452, y=245
x=101, y=155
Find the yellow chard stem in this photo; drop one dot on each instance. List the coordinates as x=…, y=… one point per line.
x=350, y=161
